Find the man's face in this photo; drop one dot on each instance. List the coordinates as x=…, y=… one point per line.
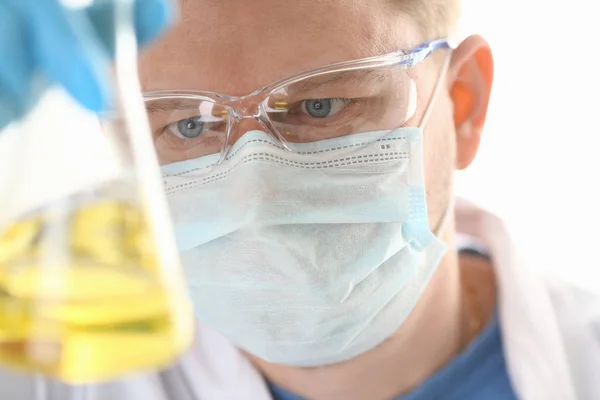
x=236, y=46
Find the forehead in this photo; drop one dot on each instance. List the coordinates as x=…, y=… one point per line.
x=237, y=46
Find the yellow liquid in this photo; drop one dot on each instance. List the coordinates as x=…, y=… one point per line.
x=81, y=297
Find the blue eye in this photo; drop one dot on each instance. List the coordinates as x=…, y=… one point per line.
x=318, y=108
x=190, y=128
x=323, y=108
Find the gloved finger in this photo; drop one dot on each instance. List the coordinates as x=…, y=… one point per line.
x=8, y=112
x=152, y=18
x=65, y=48
x=16, y=67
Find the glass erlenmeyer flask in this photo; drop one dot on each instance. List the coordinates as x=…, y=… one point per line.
x=90, y=282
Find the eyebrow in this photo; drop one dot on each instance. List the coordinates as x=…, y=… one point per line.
x=354, y=78
x=168, y=105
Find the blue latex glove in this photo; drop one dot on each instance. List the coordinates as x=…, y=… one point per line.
x=68, y=47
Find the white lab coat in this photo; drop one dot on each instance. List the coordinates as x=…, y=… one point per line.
x=551, y=335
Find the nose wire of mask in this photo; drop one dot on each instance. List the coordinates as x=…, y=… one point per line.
x=309, y=257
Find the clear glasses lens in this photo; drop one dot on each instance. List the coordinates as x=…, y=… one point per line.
x=187, y=128
x=306, y=110
x=342, y=103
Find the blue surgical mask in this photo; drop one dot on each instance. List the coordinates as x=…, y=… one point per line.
x=309, y=257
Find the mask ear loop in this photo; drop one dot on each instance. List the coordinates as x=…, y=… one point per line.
x=444, y=220
x=436, y=91
x=441, y=226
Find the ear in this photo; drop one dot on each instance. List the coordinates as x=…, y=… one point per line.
x=470, y=77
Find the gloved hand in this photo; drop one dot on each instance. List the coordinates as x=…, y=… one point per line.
x=69, y=47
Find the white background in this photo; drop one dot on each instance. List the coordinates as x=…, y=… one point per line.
x=539, y=162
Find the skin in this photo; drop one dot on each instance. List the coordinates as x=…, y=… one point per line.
x=237, y=46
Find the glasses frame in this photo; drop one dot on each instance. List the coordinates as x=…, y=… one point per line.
x=403, y=59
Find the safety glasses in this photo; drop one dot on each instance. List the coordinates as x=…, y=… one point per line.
x=352, y=97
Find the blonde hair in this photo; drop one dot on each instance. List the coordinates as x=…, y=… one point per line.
x=438, y=18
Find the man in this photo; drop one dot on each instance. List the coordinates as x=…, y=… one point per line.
x=426, y=320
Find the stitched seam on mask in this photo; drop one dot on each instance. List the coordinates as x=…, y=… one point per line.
x=283, y=148
x=340, y=162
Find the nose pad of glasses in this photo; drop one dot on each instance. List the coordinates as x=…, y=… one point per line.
x=239, y=127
